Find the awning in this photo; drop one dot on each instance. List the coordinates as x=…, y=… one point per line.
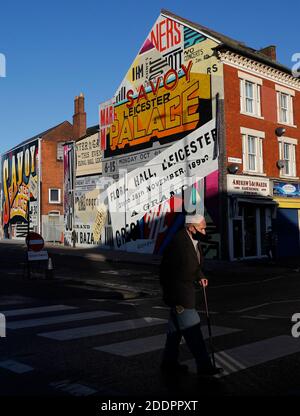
x=256, y=201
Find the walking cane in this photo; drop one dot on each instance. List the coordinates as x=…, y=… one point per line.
x=209, y=327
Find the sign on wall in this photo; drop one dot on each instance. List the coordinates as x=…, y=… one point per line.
x=149, y=188
x=152, y=129
x=87, y=191
x=290, y=190
x=69, y=184
x=88, y=156
x=248, y=185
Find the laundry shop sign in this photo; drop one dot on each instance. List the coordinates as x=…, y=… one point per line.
x=248, y=185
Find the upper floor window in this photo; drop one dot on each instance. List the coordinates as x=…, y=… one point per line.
x=250, y=91
x=287, y=153
x=54, y=196
x=252, y=150
x=285, y=112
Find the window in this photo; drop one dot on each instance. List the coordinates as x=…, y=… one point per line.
x=60, y=151
x=54, y=196
x=287, y=152
x=252, y=150
x=250, y=94
x=285, y=105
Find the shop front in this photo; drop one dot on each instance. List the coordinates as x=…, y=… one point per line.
x=251, y=212
x=287, y=195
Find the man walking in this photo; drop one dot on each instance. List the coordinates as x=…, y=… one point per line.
x=180, y=269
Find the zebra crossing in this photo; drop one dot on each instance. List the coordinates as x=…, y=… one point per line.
x=106, y=322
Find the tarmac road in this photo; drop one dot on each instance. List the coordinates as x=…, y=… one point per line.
x=97, y=329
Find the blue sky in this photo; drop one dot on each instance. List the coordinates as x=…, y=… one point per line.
x=55, y=50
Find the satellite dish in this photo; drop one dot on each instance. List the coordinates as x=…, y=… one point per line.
x=233, y=168
x=280, y=131
x=281, y=164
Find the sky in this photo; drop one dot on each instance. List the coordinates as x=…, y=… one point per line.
x=54, y=50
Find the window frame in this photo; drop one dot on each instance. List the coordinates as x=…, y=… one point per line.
x=291, y=143
x=282, y=91
x=256, y=98
x=258, y=137
x=59, y=196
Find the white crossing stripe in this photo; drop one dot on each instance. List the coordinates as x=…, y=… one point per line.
x=30, y=323
x=39, y=309
x=15, y=366
x=250, y=355
x=153, y=343
x=100, y=329
x=75, y=389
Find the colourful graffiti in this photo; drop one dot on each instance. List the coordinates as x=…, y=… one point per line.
x=69, y=183
x=20, y=183
x=168, y=94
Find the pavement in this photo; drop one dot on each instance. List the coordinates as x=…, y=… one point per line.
x=135, y=274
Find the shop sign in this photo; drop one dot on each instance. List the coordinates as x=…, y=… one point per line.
x=248, y=185
x=286, y=189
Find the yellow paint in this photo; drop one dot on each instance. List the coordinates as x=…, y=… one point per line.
x=288, y=202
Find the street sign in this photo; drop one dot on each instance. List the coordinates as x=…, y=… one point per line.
x=34, y=241
x=37, y=255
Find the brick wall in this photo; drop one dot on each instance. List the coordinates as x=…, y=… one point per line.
x=234, y=120
x=52, y=169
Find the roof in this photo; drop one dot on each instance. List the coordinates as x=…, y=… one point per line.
x=37, y=136
x=89, y=132
x=229, y=43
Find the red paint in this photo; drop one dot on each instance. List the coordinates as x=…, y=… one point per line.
x=38, y=244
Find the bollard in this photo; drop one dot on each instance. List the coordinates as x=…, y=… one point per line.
x=50, y=269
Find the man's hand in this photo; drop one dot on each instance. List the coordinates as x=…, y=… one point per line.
x=203, y=282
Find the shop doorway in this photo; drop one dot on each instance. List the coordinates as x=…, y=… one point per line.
x=249, y=229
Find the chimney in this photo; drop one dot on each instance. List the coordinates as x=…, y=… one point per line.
x=79, y=117
x=269, y=51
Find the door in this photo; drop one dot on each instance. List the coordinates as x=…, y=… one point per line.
x=288, y=232
x=250, y=230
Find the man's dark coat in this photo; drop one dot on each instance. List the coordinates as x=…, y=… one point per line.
x=179, y=270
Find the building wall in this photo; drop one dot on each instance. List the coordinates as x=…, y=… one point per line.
x=52, y=178
x=20, y=184
x=234, y=120
x=52, y=169
x=170, y=91
x=284, y=219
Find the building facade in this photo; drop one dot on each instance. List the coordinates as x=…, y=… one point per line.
x=199, y=122
x=184, y=76
x=262, y=115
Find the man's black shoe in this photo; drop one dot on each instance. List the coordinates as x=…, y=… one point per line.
x=210, y=371
x=173, y=368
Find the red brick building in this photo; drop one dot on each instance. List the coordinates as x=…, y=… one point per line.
x=261, y=136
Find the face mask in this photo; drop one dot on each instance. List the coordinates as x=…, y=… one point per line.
x=200, y=237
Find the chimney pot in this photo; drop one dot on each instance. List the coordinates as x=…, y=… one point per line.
x=269, y=51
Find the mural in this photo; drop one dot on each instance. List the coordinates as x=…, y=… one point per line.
x=69, y=183
x=20, y=189
x=87, y=191
x=160, y=129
